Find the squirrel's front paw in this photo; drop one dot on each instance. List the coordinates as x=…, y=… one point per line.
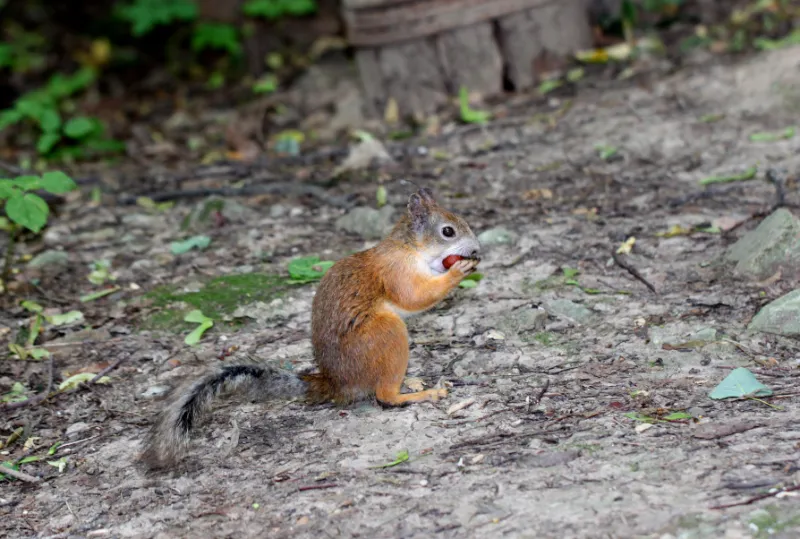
x=436, y=394
x=465, y=266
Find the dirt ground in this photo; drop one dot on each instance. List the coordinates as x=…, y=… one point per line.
x=553, y=370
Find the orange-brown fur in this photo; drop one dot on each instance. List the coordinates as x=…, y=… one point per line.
x=360, y=343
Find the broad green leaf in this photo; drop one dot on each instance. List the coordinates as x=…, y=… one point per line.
x=307, y=269
x=266, y=84
x=468, y=284
x=57, y=183
x=36, y=328
x=27, y=182
x=30, y=458
x=99, y=294
x=548, y=85
x=380, y=196
x=79, y=127
x=196, y=316
x=77, y=379
x=738, y=384
x=7, y=189
x=39, y=353
x=195, y=242
x=69, y=317
x=28, y=210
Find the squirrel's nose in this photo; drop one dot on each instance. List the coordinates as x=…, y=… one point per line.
x=474, y=253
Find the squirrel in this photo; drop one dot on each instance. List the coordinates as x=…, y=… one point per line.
x=359, y=338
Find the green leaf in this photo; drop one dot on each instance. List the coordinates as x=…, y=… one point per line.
x=79, y=127
x=99, y=294
x=195, y=242
x=266, y=84
x=57, y=183
x=30, y=458
x=740, y=383
x=468, y=115
x=47, y=142
x=39, y=353
x=308, y=269
x=380, y=196
x=606, y=152
x=31, y=306
x=17, y=393
x=77, y=379
x=402, y=457
x=468, y=284
x=674, y=416
x=28, y=210
x=53, y=449
x=748, y=174
x=27, y=182
x=196, y=316
x=217, y=36
x=61, y=463
x=570, y=273
x=7, y=189
x=772, y=137
x=10, y=465
x=49, y=120
x=69, y=317
x=548, y=85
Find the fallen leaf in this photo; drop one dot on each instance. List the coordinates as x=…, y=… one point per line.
x=69, y=317
x=196, y=316
x=77, y=379
x=363, y=155
x=748, y=174
x=627, y=246
x=99, y=294
x=772, y=137
x=641, y=427
x=740, y=383
x=402, y=457
x=195, y=242
x=415, y=384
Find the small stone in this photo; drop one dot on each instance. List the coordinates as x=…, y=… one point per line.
x=76, y=428
x=781, y=317
x=368, y=223
x=203, y=214
x=497, y=236
x=47, y=258
x=277, y=210
x=569, y=309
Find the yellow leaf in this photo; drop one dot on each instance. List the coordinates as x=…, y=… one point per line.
x=626, y=247
x=77, y=379
x=392, y=113
x=674, y=230
x=592, y=56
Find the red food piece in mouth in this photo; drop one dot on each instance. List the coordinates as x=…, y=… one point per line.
x=450, y=260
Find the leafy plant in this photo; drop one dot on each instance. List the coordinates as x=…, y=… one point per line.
x=42, y=108
x=145, y=15
x=216, y=36
x=274, y=9
x=26, y=209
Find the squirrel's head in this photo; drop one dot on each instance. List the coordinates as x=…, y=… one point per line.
x=437, y=232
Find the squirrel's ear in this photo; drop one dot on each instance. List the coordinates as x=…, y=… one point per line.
x=418, y=211
x=426, y=195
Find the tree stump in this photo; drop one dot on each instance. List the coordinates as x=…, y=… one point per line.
x=421, y=52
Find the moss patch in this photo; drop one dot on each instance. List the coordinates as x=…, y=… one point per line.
x=218, y=297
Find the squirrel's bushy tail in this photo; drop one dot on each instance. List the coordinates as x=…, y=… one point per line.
x=167, y=441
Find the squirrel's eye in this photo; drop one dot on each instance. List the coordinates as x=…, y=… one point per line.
x=448, y=232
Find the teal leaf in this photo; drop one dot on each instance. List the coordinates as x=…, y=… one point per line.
x=195, y=242
x=738, y=384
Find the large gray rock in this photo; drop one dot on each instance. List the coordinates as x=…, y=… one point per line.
x=368, y=223
x=781, y=317
x=772, y=244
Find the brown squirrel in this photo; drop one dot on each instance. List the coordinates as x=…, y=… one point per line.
x=359, y=339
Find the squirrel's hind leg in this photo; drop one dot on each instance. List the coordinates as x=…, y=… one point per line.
x=386, y=345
